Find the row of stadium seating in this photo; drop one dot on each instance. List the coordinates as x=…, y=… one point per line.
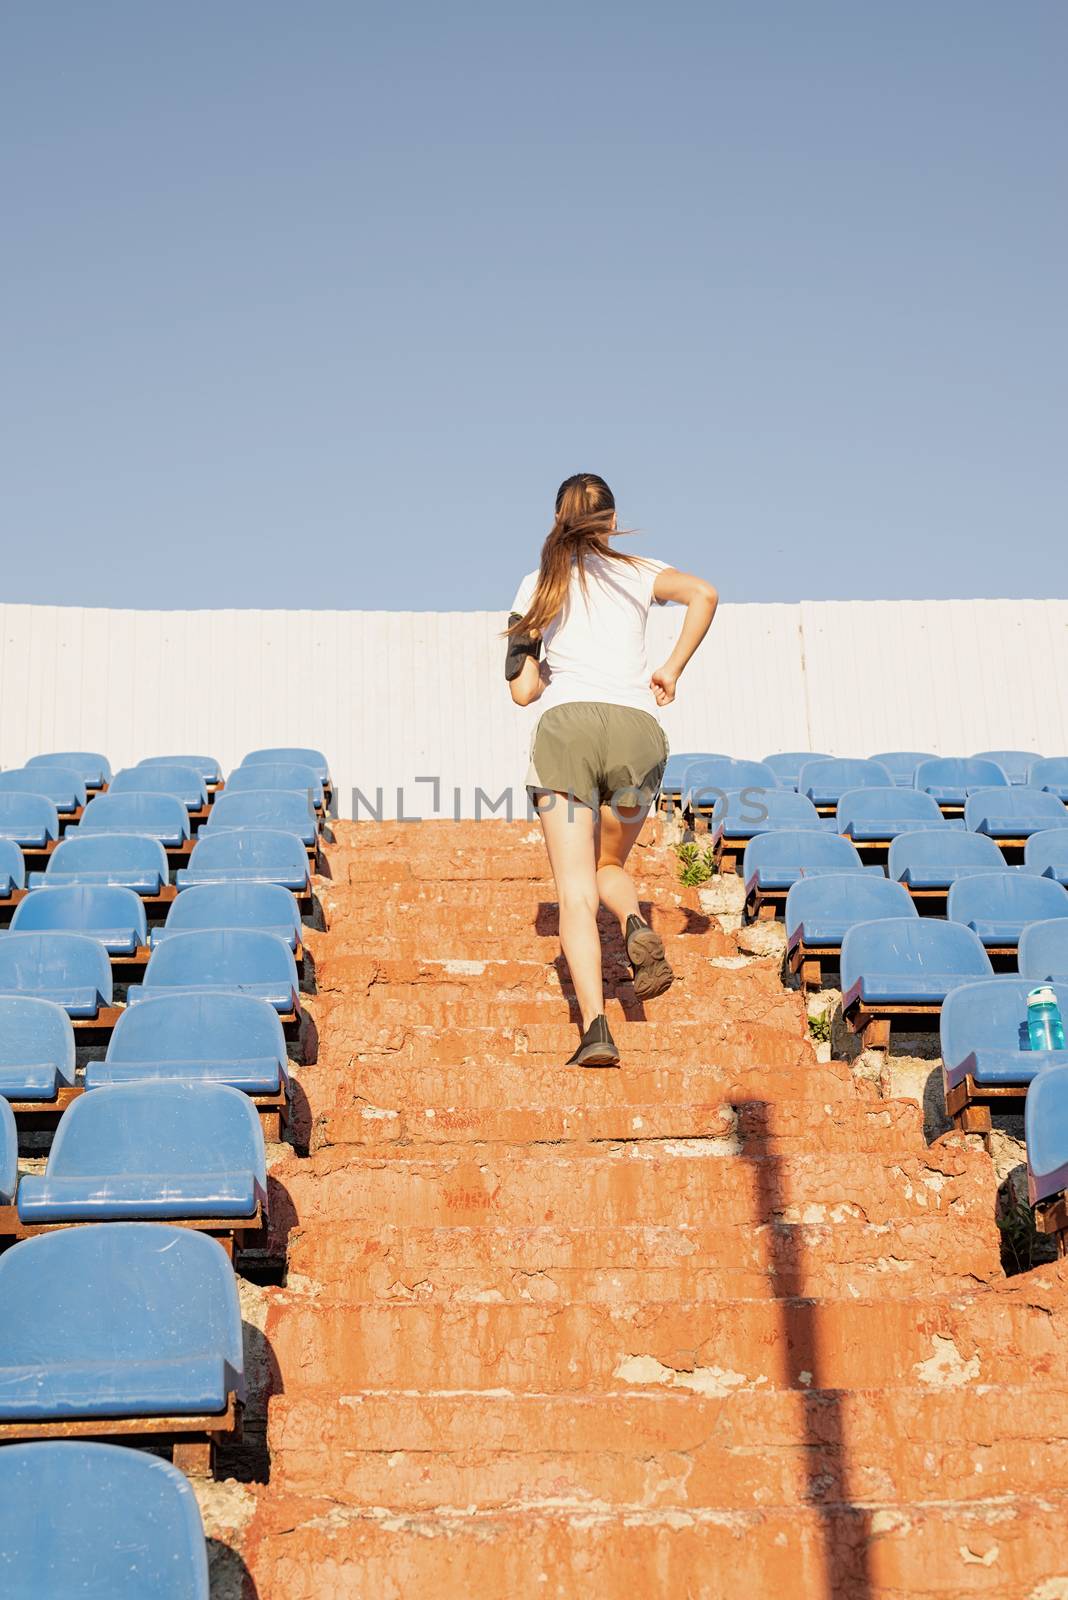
x=920, y=880
x=121, y=1314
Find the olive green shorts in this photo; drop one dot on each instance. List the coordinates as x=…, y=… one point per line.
x=598, y=754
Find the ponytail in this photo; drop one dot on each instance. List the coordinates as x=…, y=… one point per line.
x=585, y=514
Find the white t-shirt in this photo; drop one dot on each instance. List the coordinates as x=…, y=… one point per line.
x=595, y=645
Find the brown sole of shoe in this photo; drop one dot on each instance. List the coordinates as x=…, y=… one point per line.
x=652, y=973
x=595, y=1055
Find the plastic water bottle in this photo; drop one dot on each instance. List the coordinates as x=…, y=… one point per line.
x=1044, y=1024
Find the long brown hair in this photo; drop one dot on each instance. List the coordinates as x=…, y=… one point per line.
x=585, y=512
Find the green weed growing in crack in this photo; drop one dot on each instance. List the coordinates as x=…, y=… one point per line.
x=819, y=1027
x=696, y=863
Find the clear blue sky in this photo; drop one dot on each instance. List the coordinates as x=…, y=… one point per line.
x=316, y=304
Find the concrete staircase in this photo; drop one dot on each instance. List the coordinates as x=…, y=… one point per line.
x=718, y=1324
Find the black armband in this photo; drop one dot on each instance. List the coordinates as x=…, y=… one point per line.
x=520, y=646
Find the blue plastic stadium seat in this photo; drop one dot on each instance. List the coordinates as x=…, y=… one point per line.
x=1043, y=953
x=902, y=764
x=675, y=768
x=908, y=961
x=93, y=768
x=118, y=1319
x=951, y=779
x=248, y=855
x=825, y=782
x=184, y=782
x=1013, y=813
x=983, y=1029
x=122, y=860
x=282, y=809
x=64, y=788
x=881, y=813
x=1015, y=764
x=114, y=916
x=291, y=752
x=787, y=764
x=234, y=905
x=1046, y=1132
x=709, y=775
x=235, y=960
x=292, y=775
x=97, y=1522
x=205, y=1038
x=207, y=766
x=1047, y=854
x=30, y=820
x=935, y=859
x=9, y=1156
x=778, y=859
x=152, y=1151
x=821, y=910
x=737, y=818
x=999, y=905
x=1051, y=774
x=12, y=869
x=161, y=816
x=69, y=968
x=36, y=1048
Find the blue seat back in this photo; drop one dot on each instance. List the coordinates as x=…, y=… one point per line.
x=198, y=1027
x=221, y=956
x=233, y=905
x=895, y=804
x=135, y=853
x=293, y=752
x=283, y=809
x=272, y=850
x=946, y=848
x=989, y=1016
x=292, y=775
x=784, y=808
x=92, y=768
x=12, y=867
x=9, y=1158
x=1018, y=801
x=34, y=961
x=826, y=781
x=708, y=774
x=161, y=816
x=87, y=909
x=1006, y=897
x=902, y=764
x=161, y=778
x=63, y=787
x=1043, y=954
x=27, y=816
x=1051, y=773
x=787, y=764
x=118, y=1292
x=911, y=945
x=799, y=851
x=677, y=762
x=951, y=778
x=1047, y=852
x=1015, y=764
x=36, y=1033
x=207, y=766
x=164, y=1126
x=97, y=1521
x=845, y=897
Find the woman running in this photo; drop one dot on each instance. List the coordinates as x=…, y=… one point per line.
x=598, y=751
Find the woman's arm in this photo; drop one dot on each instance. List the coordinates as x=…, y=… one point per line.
x=531, y=680
x=700, y=600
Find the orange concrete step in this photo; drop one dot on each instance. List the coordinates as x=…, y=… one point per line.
x=926, y=1342
x=675, y=1448
x=643, y=1263
x=302, y=1548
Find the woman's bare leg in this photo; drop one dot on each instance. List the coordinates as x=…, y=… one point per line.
x=570, y=831
x=615, y=887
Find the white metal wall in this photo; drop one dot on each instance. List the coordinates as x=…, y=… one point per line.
x=392, y=696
